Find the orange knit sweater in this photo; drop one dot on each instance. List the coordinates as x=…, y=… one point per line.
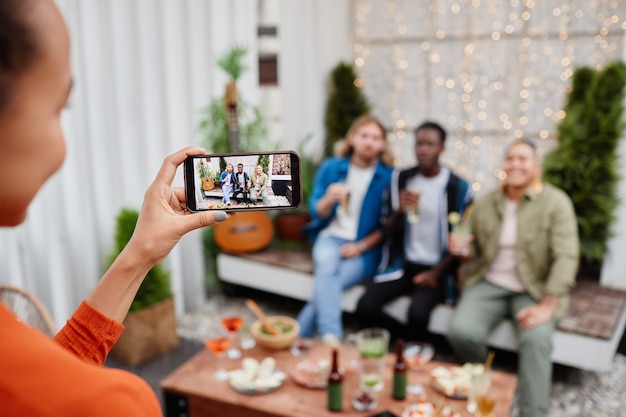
x=64, y=376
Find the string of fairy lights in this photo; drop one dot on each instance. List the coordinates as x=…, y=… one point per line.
x=490, y=71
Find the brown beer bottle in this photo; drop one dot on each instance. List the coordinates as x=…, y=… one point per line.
x=399, y=373
x=335, y=385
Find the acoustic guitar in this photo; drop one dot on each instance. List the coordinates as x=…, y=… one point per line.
x=243, y=232
x=207, y=184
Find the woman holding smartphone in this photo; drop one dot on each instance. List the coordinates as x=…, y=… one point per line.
x=64, y=376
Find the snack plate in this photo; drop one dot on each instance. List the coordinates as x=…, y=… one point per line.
x=259, y=390
x=311, y=373
x=441, y=392
x=456, y=378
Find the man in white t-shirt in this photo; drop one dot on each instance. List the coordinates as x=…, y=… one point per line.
x=242, y=184
x=416, y=261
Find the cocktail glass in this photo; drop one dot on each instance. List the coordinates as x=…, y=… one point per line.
x=218, y=346
x=232, y=325
x=417, y=354
x=480, y=385
x=368, y=349
x=461, y=235
x=371, y=382
x=485, y=405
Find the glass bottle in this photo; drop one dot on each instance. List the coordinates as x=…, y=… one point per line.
x=335, y=385
x=399, y=373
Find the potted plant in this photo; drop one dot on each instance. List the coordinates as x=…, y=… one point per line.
x=289, y=224
x=150, y=326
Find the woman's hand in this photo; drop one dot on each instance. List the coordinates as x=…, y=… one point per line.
x=163, y=220
x=164, y=217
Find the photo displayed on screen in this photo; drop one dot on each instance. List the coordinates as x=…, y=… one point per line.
x=243, y=181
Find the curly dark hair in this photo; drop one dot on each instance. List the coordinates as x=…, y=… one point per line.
x=18, y=45
x=429, y=124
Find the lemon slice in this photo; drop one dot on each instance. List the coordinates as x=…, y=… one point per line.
x=370, y=380
x=454, y=218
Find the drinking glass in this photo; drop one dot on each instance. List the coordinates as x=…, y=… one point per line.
x=218, y=346
x=480, y=385
x=232, y=325
x=371, y=382
x=345, y=204
x=417, y=354
x=246, y=340
x=461, y=235
x=485, y=404
x=413, y=213
x=368, y=349
x=301, y=347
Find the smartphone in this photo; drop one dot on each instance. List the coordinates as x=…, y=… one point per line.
x=243, y=181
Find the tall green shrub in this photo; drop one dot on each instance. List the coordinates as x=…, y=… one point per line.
x=345, y=103
x=585, y=163
x=156, y=286
x=264, y=161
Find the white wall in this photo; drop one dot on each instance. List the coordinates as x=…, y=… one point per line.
x=315, y=35
x=614, y=265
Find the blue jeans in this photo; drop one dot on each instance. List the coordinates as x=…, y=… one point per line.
x=226, y=189
x=332, y=275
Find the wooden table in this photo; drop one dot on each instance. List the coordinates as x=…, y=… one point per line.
x=191, y=391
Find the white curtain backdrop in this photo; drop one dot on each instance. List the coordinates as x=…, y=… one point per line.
x=142, y=70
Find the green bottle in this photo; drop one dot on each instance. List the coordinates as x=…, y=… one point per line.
x=399, y=373
x=335, y=385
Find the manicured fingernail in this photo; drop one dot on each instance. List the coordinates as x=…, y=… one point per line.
x=220, y=216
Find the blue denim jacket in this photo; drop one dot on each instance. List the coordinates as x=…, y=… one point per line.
x=333, y=170
x=232, y=177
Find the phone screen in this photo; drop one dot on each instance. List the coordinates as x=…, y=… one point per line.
x=243, y=181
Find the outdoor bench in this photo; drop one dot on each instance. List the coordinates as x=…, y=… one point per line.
x=586, y=338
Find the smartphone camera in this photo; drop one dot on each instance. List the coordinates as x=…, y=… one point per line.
x=243, y=181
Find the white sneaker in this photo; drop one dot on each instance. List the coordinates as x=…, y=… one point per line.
x=331, y=340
